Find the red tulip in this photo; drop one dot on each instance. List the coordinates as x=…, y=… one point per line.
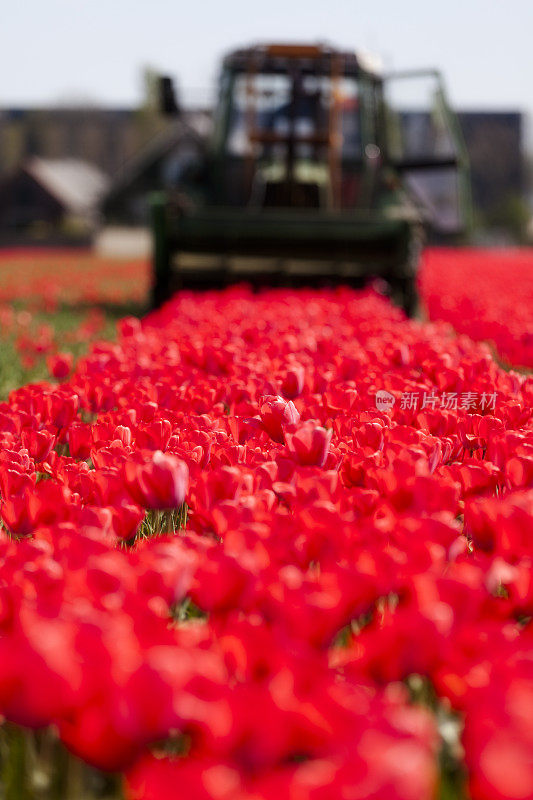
x=60, y=365
x=79, y=441
x=38, y=443
x=293, y=381
x=16, y=515
x=276, y=415
x=309, y=446
x=160, y=483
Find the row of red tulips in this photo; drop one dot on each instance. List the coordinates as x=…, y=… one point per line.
x=228, y=574
x=486, y=294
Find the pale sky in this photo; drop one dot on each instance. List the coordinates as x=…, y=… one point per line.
x=59, y=50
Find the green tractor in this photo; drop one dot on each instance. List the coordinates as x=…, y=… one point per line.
x=316, y=172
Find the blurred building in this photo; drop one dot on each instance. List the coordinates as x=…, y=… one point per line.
x=495, y=143
x=104, y=137
x=141, y=151
x=51, y=198
x=52, y=157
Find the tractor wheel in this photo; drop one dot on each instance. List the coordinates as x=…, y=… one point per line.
x=404, y=289
x=408, y=297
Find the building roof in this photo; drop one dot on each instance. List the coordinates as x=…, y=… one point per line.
x=76, y=184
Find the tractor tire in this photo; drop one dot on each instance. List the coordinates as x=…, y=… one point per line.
x=408, y=298
x=404, y=286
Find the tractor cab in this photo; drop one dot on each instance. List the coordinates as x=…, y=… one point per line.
x=290, y=132
x=307, y=126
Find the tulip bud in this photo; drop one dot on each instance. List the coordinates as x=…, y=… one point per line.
x=293, y=382
x=277, y=413
x=309, y=446
x=60, y=365
x=160, y=483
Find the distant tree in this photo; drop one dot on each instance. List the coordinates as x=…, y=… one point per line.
x=511, y=216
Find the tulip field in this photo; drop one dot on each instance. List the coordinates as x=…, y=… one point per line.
x=272, y=546
x=485, y=294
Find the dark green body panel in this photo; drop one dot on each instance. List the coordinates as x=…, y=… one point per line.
x=279, y=247
x=294, y=233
